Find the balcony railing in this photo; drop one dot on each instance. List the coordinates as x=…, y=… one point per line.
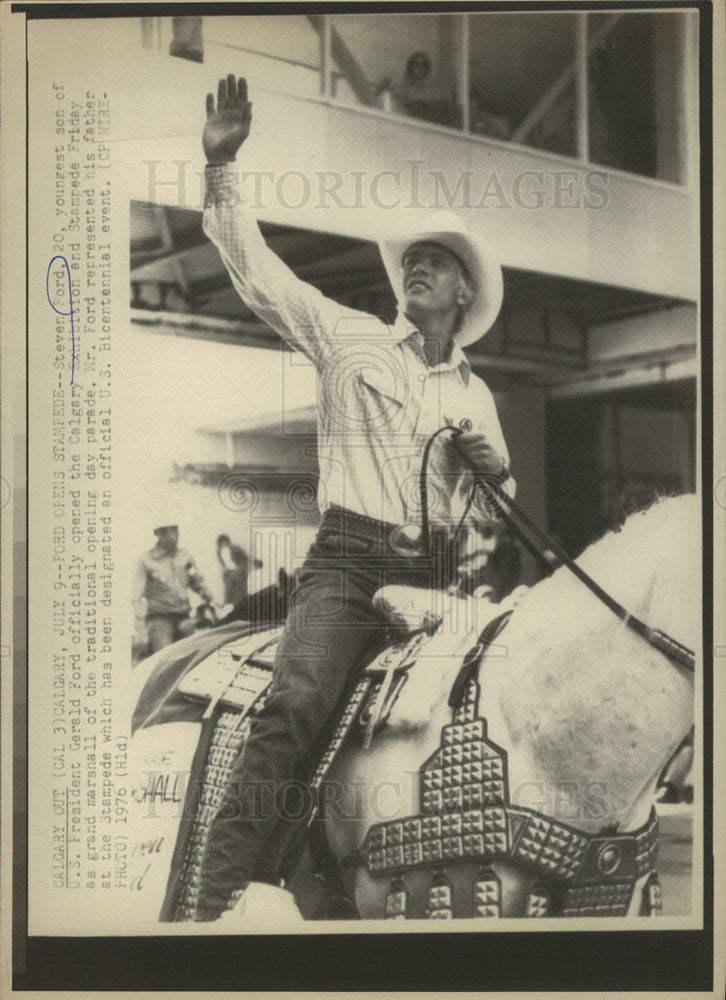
x=605, y=89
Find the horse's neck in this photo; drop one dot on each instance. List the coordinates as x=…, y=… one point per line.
x=587, y=725
x=589, y=711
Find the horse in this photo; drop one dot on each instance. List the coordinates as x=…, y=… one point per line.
x=582, y=711
x=588, y=711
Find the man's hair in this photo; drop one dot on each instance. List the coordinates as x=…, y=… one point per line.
x=466, y=287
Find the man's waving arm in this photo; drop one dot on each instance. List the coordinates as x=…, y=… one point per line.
x=296, y=310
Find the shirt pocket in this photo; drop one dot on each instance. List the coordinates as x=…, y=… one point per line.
x=458, y=407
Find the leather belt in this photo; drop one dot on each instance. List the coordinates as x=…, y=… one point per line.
x=358, y=534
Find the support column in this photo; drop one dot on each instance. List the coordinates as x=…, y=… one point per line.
x=326, y=32
x=446, y=70
x=581, y=87
x=464, y=81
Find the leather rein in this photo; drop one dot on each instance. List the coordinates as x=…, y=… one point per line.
x=508, y=510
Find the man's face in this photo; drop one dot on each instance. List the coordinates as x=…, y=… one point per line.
x=431, y=281
x=419, y=67
x=168, y=537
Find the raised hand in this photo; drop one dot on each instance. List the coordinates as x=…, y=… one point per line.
x=228, y=125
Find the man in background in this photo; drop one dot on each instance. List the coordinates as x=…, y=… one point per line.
x=236, y=567
x=162, y=581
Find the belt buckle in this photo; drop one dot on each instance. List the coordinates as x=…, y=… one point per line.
x=407, y=540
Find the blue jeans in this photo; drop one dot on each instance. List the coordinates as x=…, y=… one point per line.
x=332, y=631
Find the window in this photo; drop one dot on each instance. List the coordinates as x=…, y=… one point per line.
x=635, y=86
x=402, y=63
x=521, y=73
x=603, y=87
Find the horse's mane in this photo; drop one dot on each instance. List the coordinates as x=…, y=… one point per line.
x=650, y=566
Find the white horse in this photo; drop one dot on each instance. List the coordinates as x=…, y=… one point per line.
x=587, y=711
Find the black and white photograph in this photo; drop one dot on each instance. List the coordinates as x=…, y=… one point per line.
x=369, y=424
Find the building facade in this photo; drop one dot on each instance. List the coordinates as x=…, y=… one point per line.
x=568, y=140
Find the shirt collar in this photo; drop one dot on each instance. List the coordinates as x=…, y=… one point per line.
x=403, y=329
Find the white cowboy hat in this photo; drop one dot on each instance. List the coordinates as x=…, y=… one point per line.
x=479, y=259
x=154, y=520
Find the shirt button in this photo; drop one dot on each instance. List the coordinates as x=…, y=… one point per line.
x=422, y=377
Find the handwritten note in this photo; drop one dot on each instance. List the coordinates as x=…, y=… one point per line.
x=57, y=293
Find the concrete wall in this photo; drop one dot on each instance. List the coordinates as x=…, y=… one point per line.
x=658, y=331
x=336, y=167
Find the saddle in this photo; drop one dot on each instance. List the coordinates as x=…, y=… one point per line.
x=235, y=676
x=232, y=683
x=466, y=814
x=238, y=675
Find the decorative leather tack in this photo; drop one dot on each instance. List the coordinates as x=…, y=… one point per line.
x=371, y=704
x=440, y=898
x=465, y=810
x=227, y=739
x=235, y=676
x=391, y=664
x=237, y=684
x=396, y=907
x=609, y=857
x=539, y=901
x=466, y=815
x=652, y=901
x=487, y=894
x=342, y=728
x=598, y=900
x=399, y=657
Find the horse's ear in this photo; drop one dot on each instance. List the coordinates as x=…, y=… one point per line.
x=467, y=670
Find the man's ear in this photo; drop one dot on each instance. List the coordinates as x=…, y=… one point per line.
x=466, y=292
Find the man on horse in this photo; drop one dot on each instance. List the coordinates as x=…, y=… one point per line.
x=383, y=394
